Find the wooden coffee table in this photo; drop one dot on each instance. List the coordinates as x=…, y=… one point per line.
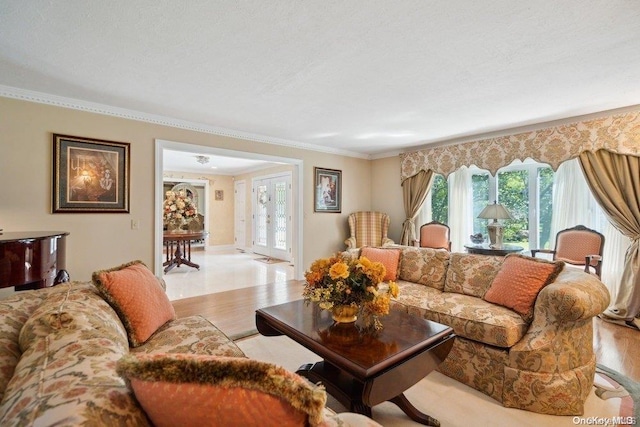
x=362, y=369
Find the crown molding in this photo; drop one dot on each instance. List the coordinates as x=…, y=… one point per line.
x=92, y=107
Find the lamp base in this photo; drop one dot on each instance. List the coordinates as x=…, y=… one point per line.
x=495, y=234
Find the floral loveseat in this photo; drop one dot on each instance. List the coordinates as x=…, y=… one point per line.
x=540, y=359
x=68, y=358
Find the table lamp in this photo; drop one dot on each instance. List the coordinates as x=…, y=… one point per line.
x=495, y=211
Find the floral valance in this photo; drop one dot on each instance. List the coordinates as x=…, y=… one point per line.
x=618, y=133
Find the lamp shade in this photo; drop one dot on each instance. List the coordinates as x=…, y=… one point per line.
x=495, y=211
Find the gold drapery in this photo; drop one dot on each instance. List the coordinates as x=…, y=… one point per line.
x=619, y=133
x=414, y=191
x=614, y=180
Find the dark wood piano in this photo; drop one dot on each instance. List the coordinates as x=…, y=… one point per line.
x=32, y=259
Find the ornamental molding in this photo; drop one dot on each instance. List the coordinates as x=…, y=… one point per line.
x=619, y=133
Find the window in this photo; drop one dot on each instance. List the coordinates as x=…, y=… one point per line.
x=524, y=188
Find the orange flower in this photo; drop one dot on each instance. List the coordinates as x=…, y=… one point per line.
x=339, y=270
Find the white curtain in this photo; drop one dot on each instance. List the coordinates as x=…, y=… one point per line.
x=460, y=208
x=574, y=204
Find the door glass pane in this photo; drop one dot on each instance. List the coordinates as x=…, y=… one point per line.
x=280, y=216
x=545, y=191
x=513, y=194
x=261, y=214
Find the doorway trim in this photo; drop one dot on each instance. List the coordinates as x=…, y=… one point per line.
x=298, y=194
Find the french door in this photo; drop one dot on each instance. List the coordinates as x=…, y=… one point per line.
x=272, y=216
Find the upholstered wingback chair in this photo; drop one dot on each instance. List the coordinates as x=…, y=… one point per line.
x=434, y=235
x=578, y=246
x=368, y=229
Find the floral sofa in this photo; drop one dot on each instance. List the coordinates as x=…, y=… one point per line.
x=67, y=358
x=539, y=360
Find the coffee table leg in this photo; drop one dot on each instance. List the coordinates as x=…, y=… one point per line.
x=403, y=403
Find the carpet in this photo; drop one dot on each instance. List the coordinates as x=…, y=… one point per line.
x=269, y=260
x=456, y=404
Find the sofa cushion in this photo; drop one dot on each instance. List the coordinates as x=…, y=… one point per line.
x=193, y=334
x=138, y=298
x=66, y=374
x=470, y=317
x=519, y=281
x=425, y=266
x=389, y=257
x=471, y=274
x=181, y=389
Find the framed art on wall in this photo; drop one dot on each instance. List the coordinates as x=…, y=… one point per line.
x=90, y=175
x=327, y=190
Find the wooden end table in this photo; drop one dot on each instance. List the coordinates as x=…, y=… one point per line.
x=360, y=368
x=181, y=241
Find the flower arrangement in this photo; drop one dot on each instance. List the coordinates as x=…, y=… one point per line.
x=344, y=281
x=178, y=206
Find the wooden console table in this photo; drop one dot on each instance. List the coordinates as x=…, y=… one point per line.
x=32, y=259
x=178, y=245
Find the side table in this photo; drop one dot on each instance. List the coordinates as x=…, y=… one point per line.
x=486, y=249
x=181, y=241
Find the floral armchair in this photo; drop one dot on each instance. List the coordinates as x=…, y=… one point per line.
x=368, y=229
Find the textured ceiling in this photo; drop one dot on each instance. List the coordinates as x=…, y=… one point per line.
x=362, y=76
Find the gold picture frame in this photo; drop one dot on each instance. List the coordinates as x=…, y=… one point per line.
x=90, y=175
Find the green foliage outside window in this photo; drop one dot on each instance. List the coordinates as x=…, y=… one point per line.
x=480, y=184
x=440, y=200
x=513, y=194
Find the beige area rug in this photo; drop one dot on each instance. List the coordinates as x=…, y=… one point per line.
x=452, y=403
x=268, y=260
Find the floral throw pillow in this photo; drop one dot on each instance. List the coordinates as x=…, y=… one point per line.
x=204, y=390
x=137, y=296
x=519, y=281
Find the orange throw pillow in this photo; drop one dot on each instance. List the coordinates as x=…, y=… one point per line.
x=204, y=390
x=519, y=281
x=389, y=257
x=137, y=296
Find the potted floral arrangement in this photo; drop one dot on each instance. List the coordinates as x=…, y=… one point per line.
x=178, y=209
x=348, y=287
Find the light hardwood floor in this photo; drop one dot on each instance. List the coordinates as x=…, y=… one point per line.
x=234, y=313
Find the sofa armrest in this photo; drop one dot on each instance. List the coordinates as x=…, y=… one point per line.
x=387, y=242
x=573, y=296
x=561, y=334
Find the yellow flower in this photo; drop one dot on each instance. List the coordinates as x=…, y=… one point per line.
x=394, y=289
x=339, y=270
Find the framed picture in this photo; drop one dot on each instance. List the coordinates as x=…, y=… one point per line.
x=90, y=175
x=328, y=190
x=219, y=194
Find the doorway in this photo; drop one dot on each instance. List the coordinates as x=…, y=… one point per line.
x=296, y=195
x=271, y=207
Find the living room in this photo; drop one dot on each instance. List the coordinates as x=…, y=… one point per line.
x=366, y=118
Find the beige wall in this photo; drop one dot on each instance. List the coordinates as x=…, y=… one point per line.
x=386, y=193
x=100, y=241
